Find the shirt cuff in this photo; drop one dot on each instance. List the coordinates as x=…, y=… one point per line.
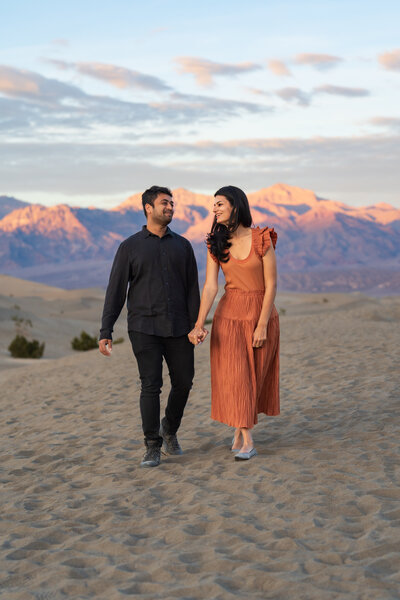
x=105, y=334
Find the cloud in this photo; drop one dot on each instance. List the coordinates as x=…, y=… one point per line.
x=336, y=90
x=47, y=103
x=391, y=123
x=61, y=42
x=119, y=77
x=354, y=169
x=211, y=106
x=297, y=96
x=278, y=67
x=42, y=106
x=204, y=70
x=390, y=60
x=20, y=83
x=293, y=94
x=258, y=92
x=319, y=61
x=15, y=117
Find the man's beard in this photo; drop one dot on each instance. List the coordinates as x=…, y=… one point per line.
x=166, y=218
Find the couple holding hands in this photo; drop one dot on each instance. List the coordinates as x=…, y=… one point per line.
x=166, y=318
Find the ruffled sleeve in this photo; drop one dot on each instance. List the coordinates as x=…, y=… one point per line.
x=263, y=238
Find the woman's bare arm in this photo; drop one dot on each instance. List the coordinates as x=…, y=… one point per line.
x=210, y=289
x=270, y=277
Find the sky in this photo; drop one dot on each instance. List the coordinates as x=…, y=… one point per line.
x=100, y=100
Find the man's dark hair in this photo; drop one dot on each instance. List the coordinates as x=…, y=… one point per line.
x=151, y=194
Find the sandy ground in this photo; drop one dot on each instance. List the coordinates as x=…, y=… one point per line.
x=315, y=515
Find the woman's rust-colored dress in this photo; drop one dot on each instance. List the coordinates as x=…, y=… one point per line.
x=244, y=380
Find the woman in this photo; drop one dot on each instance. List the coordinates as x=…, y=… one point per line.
x=245, y=333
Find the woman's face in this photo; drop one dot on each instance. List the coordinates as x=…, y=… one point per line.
x=222, y=210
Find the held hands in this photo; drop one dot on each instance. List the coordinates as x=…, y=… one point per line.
x=105, y=347
x=259, y=336
x=197, y=335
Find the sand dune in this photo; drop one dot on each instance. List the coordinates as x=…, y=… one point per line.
x=57, y=316
x=314, y=516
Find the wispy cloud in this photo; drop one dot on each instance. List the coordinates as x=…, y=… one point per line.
x=319, y=61
x=29, y=85
x=210, y=108
x=278, y=67
x=302, y=98
x=61, y=42
x=41, y=104
x=258, y=92
x=262, y=147
x=390, y=60
x=390, y=123
x=204, y=70
x=344, y=167
x=337, y=90
x=119, y=77
x=294, y=95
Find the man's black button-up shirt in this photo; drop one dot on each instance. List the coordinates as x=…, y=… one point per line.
x=163, y=295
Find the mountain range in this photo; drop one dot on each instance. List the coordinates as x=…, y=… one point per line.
x=323, y=245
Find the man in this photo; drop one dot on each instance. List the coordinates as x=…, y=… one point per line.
x=163, y=301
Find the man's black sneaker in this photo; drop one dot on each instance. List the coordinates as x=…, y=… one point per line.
x=152, y=457
x=170, y=443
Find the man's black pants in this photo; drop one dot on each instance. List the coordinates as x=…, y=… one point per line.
x=149, y=351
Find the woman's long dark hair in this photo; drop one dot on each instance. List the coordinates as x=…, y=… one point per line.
x=218, y=239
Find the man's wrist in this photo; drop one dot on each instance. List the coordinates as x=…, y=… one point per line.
x=105, y=334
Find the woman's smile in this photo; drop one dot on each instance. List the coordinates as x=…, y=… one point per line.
x=222, y=209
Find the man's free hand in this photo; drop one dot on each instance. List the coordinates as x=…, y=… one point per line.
x=105, y=347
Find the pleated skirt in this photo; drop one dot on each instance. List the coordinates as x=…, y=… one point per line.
x=244, y=380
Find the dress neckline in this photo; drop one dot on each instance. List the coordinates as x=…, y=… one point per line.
x=240, y=260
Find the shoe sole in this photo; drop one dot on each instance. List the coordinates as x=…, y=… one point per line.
x=148, y=464
x=252, y=454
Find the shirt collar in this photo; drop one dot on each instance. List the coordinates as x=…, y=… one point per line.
x=148, y=233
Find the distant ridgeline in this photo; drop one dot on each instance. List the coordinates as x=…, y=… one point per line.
x=323, y=245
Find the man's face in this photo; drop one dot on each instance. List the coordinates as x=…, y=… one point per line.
x=162, y=211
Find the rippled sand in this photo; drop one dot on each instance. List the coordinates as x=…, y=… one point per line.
x=315, y=515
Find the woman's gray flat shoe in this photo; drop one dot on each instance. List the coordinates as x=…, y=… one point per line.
x=246, y=455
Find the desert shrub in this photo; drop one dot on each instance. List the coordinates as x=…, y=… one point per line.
x=20, y=347
x=84, y=342
x=282, y=311
x=118, y=341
